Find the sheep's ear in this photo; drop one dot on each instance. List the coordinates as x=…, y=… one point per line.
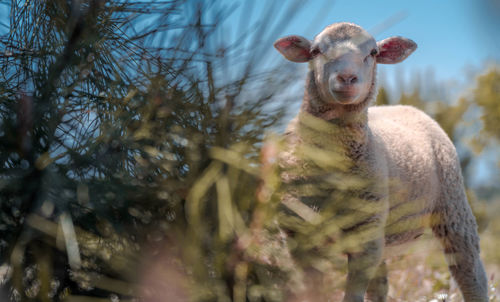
x=394, y=50
x=294, y=48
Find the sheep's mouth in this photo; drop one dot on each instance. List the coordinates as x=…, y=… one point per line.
x=345, y=96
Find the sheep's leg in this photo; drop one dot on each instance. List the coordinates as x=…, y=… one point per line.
x=455, y=226
x=361, y=268
x=460, y=241
x=378, y=286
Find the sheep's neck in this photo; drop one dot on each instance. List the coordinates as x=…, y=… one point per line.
x=350, y=121
x=349, y=137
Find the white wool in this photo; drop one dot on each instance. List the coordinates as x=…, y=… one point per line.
x=413, y=163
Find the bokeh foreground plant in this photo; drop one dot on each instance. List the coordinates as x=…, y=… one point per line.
x=130, y=135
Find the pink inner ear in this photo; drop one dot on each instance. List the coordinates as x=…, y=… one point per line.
x=286, y=42
x=395, y=49
x=293, y=48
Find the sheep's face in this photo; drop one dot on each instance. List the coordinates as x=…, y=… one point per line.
x=343, y=60
x=344, y=57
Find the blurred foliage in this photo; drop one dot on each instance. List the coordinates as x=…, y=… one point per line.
x=382, y=97
x=132, y=161
x=487, y=97
x=122, y=134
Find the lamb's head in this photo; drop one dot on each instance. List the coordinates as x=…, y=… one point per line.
x=343, y=58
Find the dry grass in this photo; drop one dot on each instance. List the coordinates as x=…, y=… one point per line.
x=422, y=274
x=417, y=273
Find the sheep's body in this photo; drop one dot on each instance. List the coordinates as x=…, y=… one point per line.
x=414, y=162
x=411, y=167
x=414, y=148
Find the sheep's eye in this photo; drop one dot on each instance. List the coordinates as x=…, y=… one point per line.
x=315, y=51
x=373, y=52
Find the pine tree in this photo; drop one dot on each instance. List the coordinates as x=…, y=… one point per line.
x=126, y=133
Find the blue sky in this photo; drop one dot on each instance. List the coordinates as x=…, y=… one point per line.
x=450, y=34
x=456, y=39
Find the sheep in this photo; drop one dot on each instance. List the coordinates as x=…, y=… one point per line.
x=407, y=160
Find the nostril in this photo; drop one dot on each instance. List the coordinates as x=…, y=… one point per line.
x=347, y=78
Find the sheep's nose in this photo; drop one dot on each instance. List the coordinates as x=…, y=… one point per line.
x=347, y=78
